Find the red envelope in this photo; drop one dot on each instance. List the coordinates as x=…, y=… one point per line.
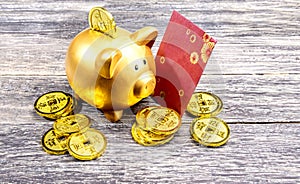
x=180, y=61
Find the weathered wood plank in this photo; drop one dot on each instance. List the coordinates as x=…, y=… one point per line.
x=253, y=37
x=40, y=55
x=247, y=99
x=255, y=153
x=254, y=68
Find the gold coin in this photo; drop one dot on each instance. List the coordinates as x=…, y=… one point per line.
x=53, y=143
x=136, y=137
x=65, y=112
x=148, y=135
x=69, y=109
x=139, y=137
x=88, y=145
x=204, y=104
x=162, y=120
x=74, y=106
x=52, y=104
x=141, y=116
x=72, y=124
x=211, y=132
x=157, y=143
x=101, y=20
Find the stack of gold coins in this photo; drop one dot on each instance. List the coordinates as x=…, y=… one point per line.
x=72, y=134
x=207, y=129
x=155, y=126
x=56, y=104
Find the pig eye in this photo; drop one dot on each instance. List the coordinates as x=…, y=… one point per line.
x=144, y=62
x=136, y=67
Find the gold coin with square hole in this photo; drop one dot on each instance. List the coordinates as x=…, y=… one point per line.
x=204, y=104
x=101, y=20
x=72, y=124
x=143, y=139
x=74, y=106
x=162, y=120
x=141, y=116
x=211, y=132
x=88, y=145
x=150, y=136
x=52, y=104
x=53, y=143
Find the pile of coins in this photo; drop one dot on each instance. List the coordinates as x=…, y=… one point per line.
x=207, y=129
x=73, y=134
x=70, y=133
x=155, y=125
x=56, y=104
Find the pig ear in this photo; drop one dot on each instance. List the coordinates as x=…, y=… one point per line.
x=106, y=62
x=145, y=36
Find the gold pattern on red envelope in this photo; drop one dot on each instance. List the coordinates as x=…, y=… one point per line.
x=180, y=61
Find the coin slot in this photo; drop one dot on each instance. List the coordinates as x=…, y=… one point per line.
x=86, y=143
x=210, y=130
x=52, y=102
x=61, y=138
x=73, y=123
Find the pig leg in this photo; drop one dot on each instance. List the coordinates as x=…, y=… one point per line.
x=113, y=116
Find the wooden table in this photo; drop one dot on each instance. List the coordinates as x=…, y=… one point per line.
x=255, y=69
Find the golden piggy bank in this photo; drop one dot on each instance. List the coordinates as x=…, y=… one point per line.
x=112, y=73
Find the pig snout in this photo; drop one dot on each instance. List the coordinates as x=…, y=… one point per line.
x=144, y=86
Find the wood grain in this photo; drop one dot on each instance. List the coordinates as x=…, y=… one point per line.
x=247, y=99
x=254, y=37
x=254, y=68
x=254, y=153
